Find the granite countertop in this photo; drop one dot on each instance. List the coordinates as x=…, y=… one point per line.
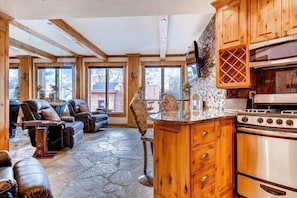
x=189, y=117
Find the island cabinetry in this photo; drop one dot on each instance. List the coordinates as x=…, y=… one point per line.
x=203, y=159
x=171, y=160
x=189, y=161
x=272, y=19
x=225, y=158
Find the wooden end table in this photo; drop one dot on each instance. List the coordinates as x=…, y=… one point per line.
x=41, y=131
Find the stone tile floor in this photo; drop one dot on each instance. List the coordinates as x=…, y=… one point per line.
x=105, y=164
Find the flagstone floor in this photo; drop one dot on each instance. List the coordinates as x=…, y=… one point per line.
x=105, y=164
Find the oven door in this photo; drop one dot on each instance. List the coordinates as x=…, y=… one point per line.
x=267, y=158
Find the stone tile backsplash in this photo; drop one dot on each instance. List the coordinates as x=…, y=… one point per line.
x=205, y=87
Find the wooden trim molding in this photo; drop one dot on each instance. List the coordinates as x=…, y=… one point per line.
x=108, y=64
x=55, y=64
x=5, y=17
x=163, y=63
x=14, y=64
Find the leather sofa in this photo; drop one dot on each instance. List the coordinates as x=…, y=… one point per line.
x=93, y=121
x=67, y=135
x=25, y=179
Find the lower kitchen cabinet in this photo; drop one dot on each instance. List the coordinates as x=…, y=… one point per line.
x=194, y=160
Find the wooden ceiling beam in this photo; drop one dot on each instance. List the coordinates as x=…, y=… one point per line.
x=80, y=38
x=42, y=37
x=26, y=47
x=163, y=27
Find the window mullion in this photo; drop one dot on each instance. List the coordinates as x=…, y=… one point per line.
x=162, y=80
x=106, y=88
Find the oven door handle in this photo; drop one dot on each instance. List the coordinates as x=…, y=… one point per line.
x=273, y=191
x=267, y=132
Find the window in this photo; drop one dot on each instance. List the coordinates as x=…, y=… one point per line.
x=51, y=77
x=14, y=83
x=160, y=79
x=106, y=87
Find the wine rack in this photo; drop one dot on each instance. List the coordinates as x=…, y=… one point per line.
x=233, y=69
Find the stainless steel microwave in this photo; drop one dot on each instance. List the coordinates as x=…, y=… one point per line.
x=269, y=55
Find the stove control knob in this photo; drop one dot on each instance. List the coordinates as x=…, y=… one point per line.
x=260, y=120
x=279, y=121
x=290, y=122
x=244, y=119
x=269, y=121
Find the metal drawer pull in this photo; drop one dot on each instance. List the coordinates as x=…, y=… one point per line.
x=204, y=156
x=204, y=133
x=273, y=191
x=204, y=178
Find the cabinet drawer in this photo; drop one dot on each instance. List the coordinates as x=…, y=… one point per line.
x=203, y=133
x=202, y=156
x=203, y=179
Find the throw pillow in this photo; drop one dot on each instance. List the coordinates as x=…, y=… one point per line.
x=84, y=108
x=50, y=114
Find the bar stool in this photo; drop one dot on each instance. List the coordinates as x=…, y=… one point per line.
x=139, y=111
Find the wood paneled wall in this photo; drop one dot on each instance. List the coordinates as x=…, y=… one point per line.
x=80, y=84
x=4, y=68
x=133, y=83
x=26, y=78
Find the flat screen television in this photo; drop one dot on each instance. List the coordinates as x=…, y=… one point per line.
x=194, y=62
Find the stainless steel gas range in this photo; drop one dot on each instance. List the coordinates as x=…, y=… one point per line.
x=266, y=141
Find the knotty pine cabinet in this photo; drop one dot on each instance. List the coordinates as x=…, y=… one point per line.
x=232, y=49
x=272, y=19
x=194, y=160
x=231, y=20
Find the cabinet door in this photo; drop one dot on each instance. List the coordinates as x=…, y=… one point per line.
x=224, y=158
x=231, y=24
x=171, y=160
x=289, y=17
x=266, y=20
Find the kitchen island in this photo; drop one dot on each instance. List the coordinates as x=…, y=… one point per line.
x=193, y=154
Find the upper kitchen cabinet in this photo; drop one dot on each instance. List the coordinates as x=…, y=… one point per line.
x=232, y=49
x=231, y=22
x=232, y=69
x=271, y=19
x=289, y=17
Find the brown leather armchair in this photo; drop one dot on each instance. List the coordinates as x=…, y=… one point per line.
x=93, y=121
x=66, y=135
x=25, y=178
